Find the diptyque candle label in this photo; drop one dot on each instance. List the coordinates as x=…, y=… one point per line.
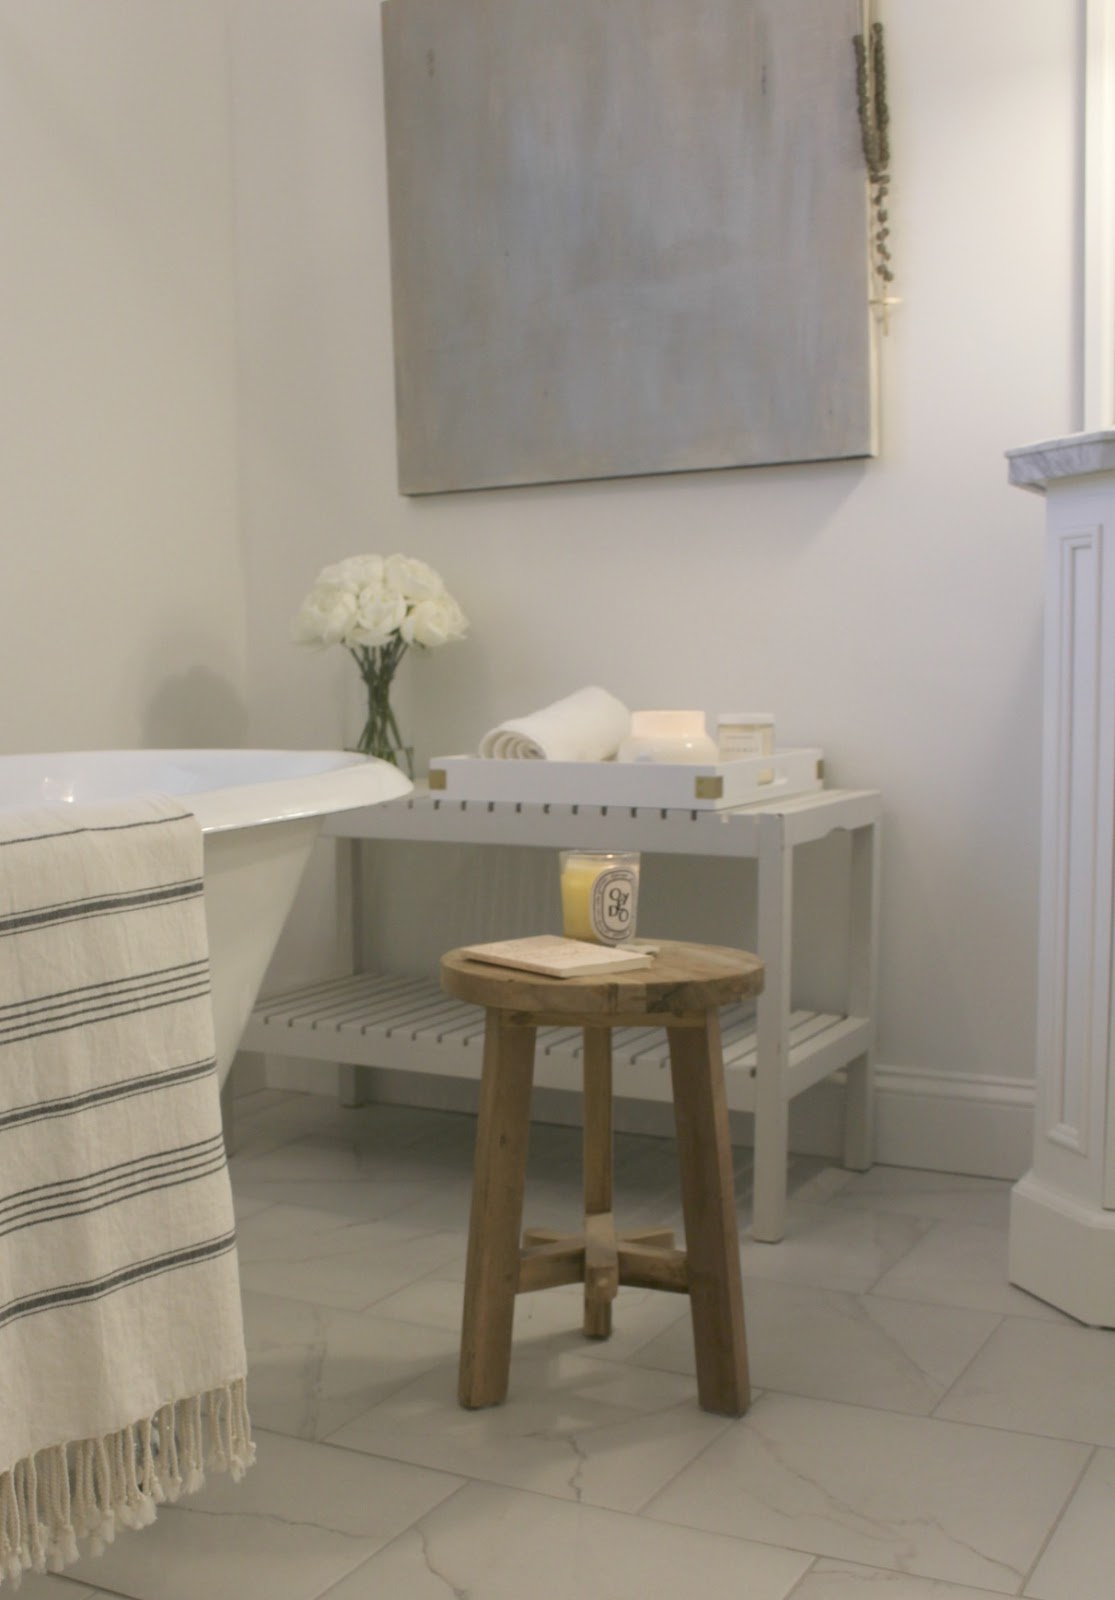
x=613, y=905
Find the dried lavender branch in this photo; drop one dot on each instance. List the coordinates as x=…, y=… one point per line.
x=882, y=110
x=874, y=121
x=867, y=124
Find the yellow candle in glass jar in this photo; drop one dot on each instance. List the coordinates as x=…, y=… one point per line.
x=599, y=895
x=577, y=879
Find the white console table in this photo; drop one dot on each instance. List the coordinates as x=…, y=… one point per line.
x=772, y=1052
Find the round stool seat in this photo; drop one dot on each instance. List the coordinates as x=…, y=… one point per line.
x=683, y=980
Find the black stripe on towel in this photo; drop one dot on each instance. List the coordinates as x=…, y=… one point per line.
x=111, y=995
x=96, y=1288
x=106, y=827
x=87, y=1017
x=171, y=1179
x=55, y=998
x=65, y=1189
x=67, y=1105
x=99, y=906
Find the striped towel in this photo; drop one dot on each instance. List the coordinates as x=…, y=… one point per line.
x=122, y=1357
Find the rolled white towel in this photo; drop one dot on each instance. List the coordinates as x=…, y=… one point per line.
x=586, y=726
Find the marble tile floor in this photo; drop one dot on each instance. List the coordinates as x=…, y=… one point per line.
x=921, y=1430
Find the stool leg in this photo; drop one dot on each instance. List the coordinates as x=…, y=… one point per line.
x=711, y=1231
x=597, y=1167
x=492, y=1267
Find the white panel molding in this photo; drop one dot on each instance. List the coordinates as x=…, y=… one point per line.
x=1074, y=937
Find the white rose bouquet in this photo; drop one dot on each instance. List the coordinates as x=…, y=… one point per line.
x=377, y=606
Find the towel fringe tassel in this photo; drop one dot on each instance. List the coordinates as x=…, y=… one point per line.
x=82, y=1491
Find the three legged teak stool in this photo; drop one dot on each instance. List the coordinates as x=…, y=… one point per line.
x=681, y=991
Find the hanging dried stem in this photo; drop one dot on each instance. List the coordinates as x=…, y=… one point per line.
x=874, y=122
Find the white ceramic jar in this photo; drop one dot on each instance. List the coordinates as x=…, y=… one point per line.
x=677, y=736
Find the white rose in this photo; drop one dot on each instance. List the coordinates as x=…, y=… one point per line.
x=326, y=616
x=379, y=614
x=434, y=622
x=413, y=578
x=359, y=571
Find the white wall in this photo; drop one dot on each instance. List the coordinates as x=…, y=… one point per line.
x=889, y=611
x=121, y=580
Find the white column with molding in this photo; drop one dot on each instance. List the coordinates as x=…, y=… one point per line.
x=1062, y=1226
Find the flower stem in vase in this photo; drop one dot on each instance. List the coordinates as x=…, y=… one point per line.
x=380, y=735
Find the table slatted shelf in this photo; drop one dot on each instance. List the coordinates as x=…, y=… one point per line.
x=367, y=1018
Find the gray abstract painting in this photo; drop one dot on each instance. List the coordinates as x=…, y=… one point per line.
x=627, y=237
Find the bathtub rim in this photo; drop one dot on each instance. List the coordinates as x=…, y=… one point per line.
x=327, y=781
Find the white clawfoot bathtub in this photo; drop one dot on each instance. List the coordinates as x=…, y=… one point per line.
x=260, y=812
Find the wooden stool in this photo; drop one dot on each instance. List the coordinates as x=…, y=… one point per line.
x=681, y=991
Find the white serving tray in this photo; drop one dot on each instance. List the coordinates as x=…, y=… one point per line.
x=630, y=783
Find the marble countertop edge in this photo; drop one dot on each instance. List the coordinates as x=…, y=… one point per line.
x=1033, y=466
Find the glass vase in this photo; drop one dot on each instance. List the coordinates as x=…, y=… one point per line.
x=380, y=736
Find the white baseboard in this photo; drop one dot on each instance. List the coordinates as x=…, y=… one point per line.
x=954, y=1123
x=936, y=1121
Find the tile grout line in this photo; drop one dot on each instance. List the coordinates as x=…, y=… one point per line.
x=591, y=1507
x=892, y=1572
x=1059, y=1321
x=799, y=1583
x=729, y=1422
x=933, y=1224
x=984, y=1342
x=411, y=1527
x=1058, y=1519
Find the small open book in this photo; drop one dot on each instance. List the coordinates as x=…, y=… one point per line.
x=555, y=957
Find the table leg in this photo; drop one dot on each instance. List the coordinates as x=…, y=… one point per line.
x=352, y=1080
x=492, y=1265
x=711, y=1234
x=772, y=1106
x=598, y=1176
x=863, y=942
